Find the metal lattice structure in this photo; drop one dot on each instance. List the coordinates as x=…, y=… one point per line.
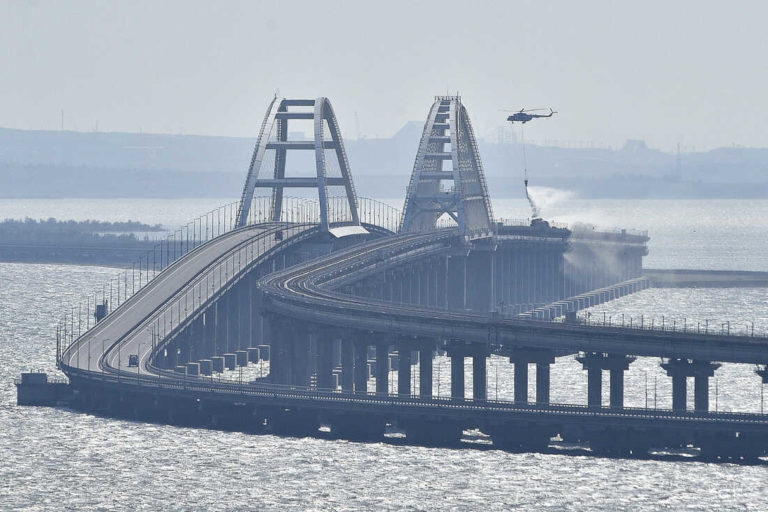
x=273, y=147
x=466, y=201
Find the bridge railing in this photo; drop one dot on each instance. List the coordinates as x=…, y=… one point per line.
x=80, y=317
x=208, y=384
x=650, y=323
x=208, y=286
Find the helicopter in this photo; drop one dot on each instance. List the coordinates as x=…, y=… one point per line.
x=523, y=115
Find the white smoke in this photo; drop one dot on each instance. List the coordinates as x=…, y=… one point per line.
x=544, y=199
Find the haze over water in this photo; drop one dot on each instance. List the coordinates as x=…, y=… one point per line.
x=56, y=459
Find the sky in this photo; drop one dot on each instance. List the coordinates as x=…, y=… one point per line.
x=693, y=73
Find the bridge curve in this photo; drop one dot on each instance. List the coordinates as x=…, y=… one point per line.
x=309, y=292
x=312, y=289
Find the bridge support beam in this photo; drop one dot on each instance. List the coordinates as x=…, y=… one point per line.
x=347, y=364
x=522, y=357
x=279, y=364
x=457, y=376
x=480, y=376
x=680, y=370
x=426, y=353
x=300, y=363
x=542, y=382
x=404, y=368
x=209, y=331
x=361, y=367
x=324, y=370
x=456, y=282
x=595, y=363
x=457, y=351
x=521, y=382
x=382, y=367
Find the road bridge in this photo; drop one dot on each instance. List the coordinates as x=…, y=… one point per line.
x=328, y=299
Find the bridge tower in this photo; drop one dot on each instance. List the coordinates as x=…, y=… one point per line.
x=272, y=148
x=447, y=153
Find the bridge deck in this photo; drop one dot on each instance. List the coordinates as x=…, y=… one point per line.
x=304, y=292
x=126, y=330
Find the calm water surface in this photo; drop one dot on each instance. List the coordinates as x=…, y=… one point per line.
x=55, y=459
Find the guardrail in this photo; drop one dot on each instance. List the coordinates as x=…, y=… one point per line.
x=81, y=317
x=197, y=384
x=646, y=323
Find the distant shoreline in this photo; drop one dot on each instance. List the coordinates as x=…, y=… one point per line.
x=104, y=254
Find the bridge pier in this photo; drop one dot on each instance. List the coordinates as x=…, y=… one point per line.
x=361, y=366
x=382, y=367
x=457, y=375
x=457, y=351
x=300, y=363
x=543, y=382
x=404, y=368
x=521, y=357
x=234, y=301
x=480, y=377
x=220, y=336
x=426, y=354
x=208, y=331
x=279, y=354
x=456, y=282
x=347, y=364
x=680, y=370
x=324, y=343
x=616, y=364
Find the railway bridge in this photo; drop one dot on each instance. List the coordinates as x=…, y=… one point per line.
x=332, y=298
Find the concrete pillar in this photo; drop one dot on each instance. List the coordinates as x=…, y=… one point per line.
x=361, y=367
x=324, y=361
x=594, y=386
x=457, y=376
x=209, y=331
x=542, y=383
x=479, y=377
x=456, y=271
x=300, y=365
x=280, y=351
x=382, y=368
x=521, y=382
x=679, y=370
x=617, y=388
x=440, y=283
x=425, y=372
x=701, y=393
x=347, y=364
x=679, y=392
x=404, y=369
x=595, y=363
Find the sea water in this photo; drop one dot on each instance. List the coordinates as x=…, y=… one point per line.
x=58, y=459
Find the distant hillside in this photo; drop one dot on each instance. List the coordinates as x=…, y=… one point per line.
x=76, y=164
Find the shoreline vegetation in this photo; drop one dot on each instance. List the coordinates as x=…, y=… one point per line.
x=88, y=231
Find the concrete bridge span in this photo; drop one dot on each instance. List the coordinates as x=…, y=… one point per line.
x=310, y=292
x=333, y=305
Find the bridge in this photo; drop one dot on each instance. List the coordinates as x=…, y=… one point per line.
x=332, y=294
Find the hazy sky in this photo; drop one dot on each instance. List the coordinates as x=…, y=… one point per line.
x=667, y=72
